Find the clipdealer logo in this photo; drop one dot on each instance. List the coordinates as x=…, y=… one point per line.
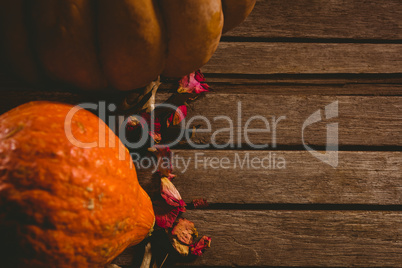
x=330, y=156
x=237, y=133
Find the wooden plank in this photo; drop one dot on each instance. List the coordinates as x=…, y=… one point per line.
x=358, y=19
x=363, y=120
x=304, y=58
x=298, y=238
x=283, y=177
x=301, y=238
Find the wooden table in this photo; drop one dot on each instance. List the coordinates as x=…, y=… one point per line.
x=290, y=59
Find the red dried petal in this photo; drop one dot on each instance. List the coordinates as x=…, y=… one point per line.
x=198, y=248
x=200, y=203
x=165, y=215
x=171, y=195
x=185, y=231
x=199, y=76
x=177, y=116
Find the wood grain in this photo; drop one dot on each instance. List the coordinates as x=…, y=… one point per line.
x=304, y=58
x=358, y=19
x=298, y=238
x=363, y=120
x=301, y=238
x=291, y=58
x=294, y=177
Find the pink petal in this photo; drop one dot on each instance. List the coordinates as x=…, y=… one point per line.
x=177, y=116
x=171, y=176
x=199, y=248
x=170, y=194
x=192, y=83
x=200, y=203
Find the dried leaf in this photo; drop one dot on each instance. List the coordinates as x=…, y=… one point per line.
x=180, y=248
x=142, y=99
x=132, y=122
x=185, y=231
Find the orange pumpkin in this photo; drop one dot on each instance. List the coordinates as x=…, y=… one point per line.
x=62, y=205
x=123, y=44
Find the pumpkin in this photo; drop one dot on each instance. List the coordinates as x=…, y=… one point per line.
x=65, y=202
x=121, y=44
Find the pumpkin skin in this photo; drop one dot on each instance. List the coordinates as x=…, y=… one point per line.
x=120, y=44
x=61, y=205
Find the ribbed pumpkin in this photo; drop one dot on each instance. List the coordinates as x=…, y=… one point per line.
x=62, y=205
x=126, y=44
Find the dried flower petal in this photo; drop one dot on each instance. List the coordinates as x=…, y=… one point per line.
x=199, y=76
x=157, y=137
x=132, y=123
x=171, y=177
x=198, y=248
x=144, y=120
x=192, y=83
x=171, y=195
x=185, y=231
x=164, y=156
x=200, y=203
x=165, y=215
x=159, y=175
x=177, y=116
